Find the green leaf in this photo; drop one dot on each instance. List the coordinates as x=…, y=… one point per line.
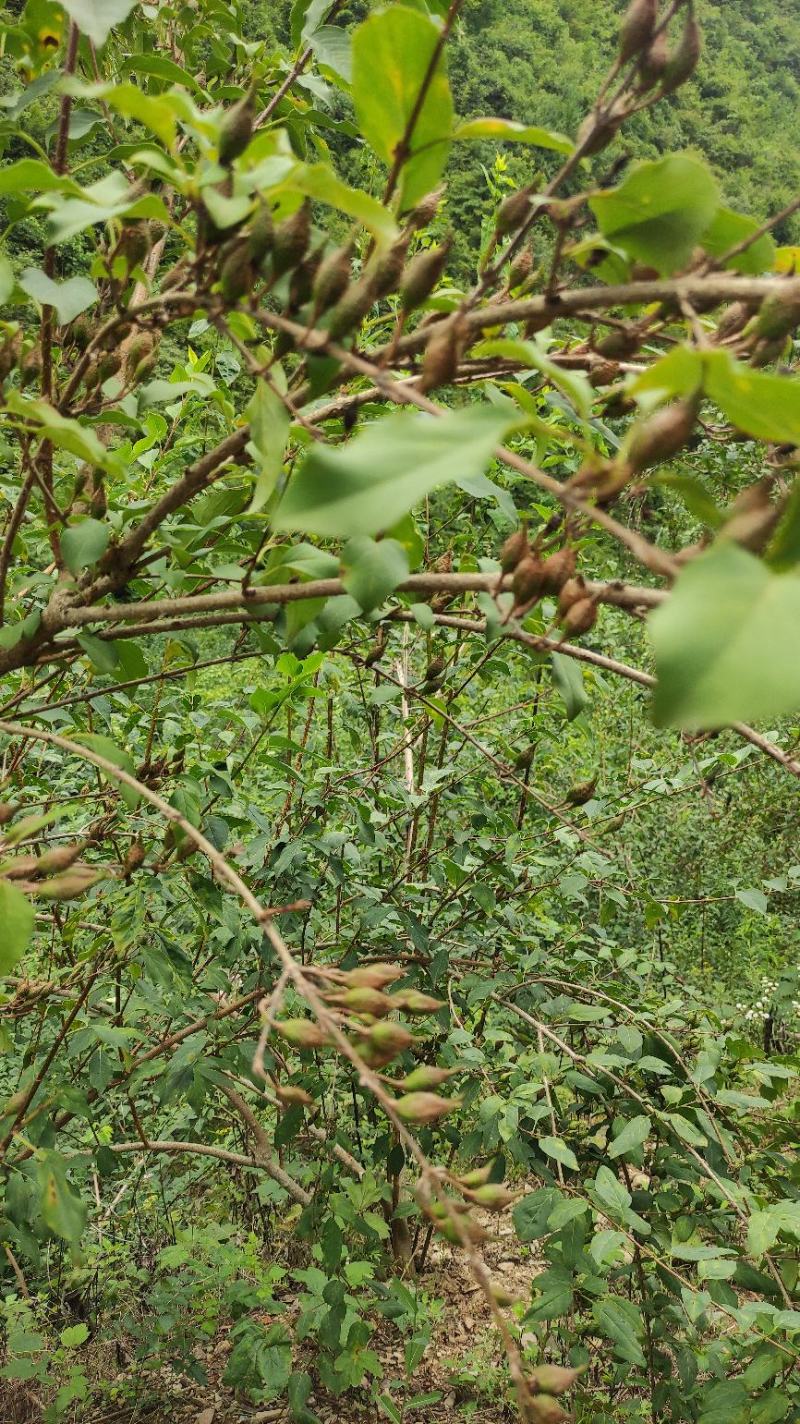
x=373, y=570
x=83, y=544
x=756, y=402
x=574, y=384
x=160, y=67
x=110, y=197
x=754, y=900
x=633, y=1134
x=317, y=180
x=269, y=431
x=367, y=484
x=557, y=1147
x=727, y=643
x=102, y=654
x=16, y=925
x=67, y=434
x=74, y=1335
x=67, y=298
x=104, y=747
x=568, y=682
x=765, y=1226
x=555, y=1297
x=30, y=175
x=97, y=18
x=332, y=47
x=63, y=1212
x=531, y=1215
x=6, y=278
x=621, y=1322
x=679, y=373
x=729, y=229
x=155, y=113
x=392, y=52
x=611, y=1192
x=660, y=211
x=508, y=131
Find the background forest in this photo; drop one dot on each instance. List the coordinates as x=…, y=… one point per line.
x=234, y=1184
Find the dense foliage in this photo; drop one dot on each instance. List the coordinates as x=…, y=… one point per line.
x=387, y=857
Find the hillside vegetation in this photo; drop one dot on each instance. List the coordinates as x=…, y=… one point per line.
x=399, y=712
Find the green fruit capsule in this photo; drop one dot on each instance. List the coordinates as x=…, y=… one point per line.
x=779, y=314
x=291, y=240
x=351, y=310
x=332, y=279
x=236, y=131
x=237, y=275
x=261, y=235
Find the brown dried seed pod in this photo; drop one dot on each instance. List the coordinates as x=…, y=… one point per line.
x=21, y=867
x=525, y=759
x=557, y=569
x=528, y=580
x=637, y=28
x=654, y=61
x=619, y=343
x=596, y=133
x=582, y=792
x=684, y=61
x=732, y=320
x=514, y=549
x=579, y=618
x=293, y=1097
x=134, y=243
x=134, y=858
x=59, y=858
x=7, y=812
x=70, y=886
x=421, y=275
x=425, y=211
x=571, y=592
x=663, y=434
x=521, y=268
x=442, y=354
x=512, y=212
x=604, y=373
x=386, y=269
x=301, y=284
